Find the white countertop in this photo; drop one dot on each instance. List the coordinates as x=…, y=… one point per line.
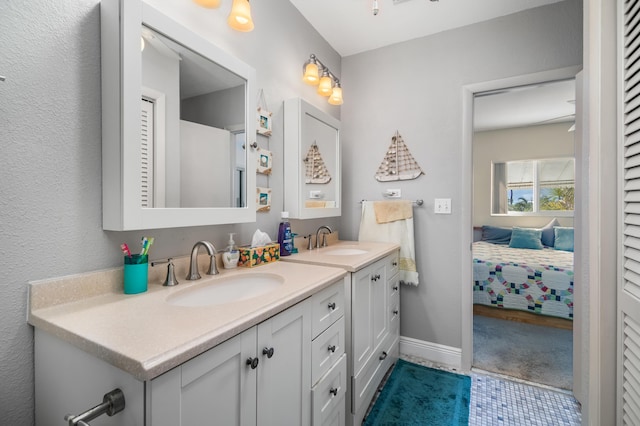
x=352, y=263
x=145, y=336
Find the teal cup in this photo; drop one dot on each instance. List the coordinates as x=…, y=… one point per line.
x=136, y=271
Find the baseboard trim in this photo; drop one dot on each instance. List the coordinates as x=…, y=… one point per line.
x=433, y=352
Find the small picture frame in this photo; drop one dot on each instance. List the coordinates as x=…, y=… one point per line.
x=264, y=122
x=265, y=160
x=263, y=199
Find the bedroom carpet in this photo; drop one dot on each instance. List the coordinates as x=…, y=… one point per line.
x=528, y=352
x=418, y=395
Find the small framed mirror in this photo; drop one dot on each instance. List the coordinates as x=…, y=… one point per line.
x=312, y=163
x=178, y=124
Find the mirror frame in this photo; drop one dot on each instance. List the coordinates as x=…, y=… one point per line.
x=121, y=23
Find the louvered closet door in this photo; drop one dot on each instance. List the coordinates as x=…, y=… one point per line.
x=628, y=394
x=146, y=146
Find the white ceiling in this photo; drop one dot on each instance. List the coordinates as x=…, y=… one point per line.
x=350, y=26
x=547, y=103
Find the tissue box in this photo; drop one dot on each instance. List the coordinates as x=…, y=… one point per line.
x=254, y=256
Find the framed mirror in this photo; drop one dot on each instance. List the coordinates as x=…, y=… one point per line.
x=177, y=111
x=312, y=162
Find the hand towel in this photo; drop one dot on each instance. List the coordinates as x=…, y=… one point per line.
x=390, y=211
x=315, y=204
x=399, y=231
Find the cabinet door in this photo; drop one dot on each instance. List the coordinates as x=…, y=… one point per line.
x=284, y=372
x=368, y=312
x=216, y=387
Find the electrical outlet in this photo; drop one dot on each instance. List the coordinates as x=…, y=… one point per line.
x=393, y=193
x=442, y=206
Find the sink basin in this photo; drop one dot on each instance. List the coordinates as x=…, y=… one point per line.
x=344, y=251
x=226, y=290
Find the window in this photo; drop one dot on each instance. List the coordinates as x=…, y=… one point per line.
x=533, y=187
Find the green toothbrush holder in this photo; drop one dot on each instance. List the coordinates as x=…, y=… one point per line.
x=136, y=273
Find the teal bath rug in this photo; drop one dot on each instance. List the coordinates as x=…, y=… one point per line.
x=417, y=395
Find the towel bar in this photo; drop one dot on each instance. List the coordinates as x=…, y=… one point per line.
x=416, y=202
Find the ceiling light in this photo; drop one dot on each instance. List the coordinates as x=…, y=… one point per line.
x=240, y=16
x=314, y=72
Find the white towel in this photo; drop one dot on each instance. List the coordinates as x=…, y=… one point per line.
x=399, y=231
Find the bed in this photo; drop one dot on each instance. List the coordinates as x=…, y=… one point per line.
x=534, y=281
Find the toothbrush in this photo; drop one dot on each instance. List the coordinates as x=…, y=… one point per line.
x=148, y=245
x=125, y=249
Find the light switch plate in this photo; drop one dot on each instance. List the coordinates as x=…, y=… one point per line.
x=442, y=206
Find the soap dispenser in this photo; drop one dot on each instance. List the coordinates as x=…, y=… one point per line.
x=231, y=254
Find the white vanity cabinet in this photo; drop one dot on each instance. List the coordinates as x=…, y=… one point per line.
x=289, y=369
x=375, y=330
x=259, y=377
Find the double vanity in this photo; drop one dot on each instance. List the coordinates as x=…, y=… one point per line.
x=302, y=341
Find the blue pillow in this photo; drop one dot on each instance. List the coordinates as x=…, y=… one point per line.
x=548, y=234
x=526, y=238
x=496, y=234
x=564, y=238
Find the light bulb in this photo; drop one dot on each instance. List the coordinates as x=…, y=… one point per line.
x=325, y=85
x=336, y=96
x=141, y=44
x=240, y=16
x=210, y=4
x=376, y=9
x=311, y=74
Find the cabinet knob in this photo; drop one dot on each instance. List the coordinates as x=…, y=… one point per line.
x=333, y=391
x=396, y=312
x=332, y=306
x=394, y=263
x=375, y=277
x=383, y=356
x=395, y=288
x=332, y=348
x=253, y=362
x=254, y=145
x=268, y=352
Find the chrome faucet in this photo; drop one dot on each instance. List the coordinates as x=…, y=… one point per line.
x=324, y=236
x=193, y=264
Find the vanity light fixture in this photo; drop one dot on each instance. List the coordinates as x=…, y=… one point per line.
x=240, y=16
x=315, y=72
x=209, y=4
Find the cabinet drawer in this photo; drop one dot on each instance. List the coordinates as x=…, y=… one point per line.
x=327, y=307
x=369, y=378
x=392, y=263
x=326, y=349
x=329, y=394
x=394, y=313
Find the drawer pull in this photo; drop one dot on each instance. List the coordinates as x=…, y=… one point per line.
x=375, y=277
x=333, y=391
x=383, y=356
x=332, y=306
x=268, y=352
x=396, y=312
x=253, y=362
x=394, y=263
x=395, y=288
x=332, y=348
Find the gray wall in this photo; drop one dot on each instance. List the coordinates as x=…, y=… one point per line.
x=50, y=167
x=416, y=87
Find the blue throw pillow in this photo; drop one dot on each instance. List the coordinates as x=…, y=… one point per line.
x=548, y=234
x=496, y=234
x=564, y=238
x=526, y=238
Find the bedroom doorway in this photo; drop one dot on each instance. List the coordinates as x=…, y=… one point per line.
x=523, y=161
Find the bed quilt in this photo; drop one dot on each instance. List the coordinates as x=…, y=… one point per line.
x=538, y=281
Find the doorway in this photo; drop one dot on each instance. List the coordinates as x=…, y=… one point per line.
x=530, y=219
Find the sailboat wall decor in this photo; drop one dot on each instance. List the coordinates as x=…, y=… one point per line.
x=398, y=163
x=315, y=169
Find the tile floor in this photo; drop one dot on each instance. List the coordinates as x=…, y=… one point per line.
x=496, y=401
